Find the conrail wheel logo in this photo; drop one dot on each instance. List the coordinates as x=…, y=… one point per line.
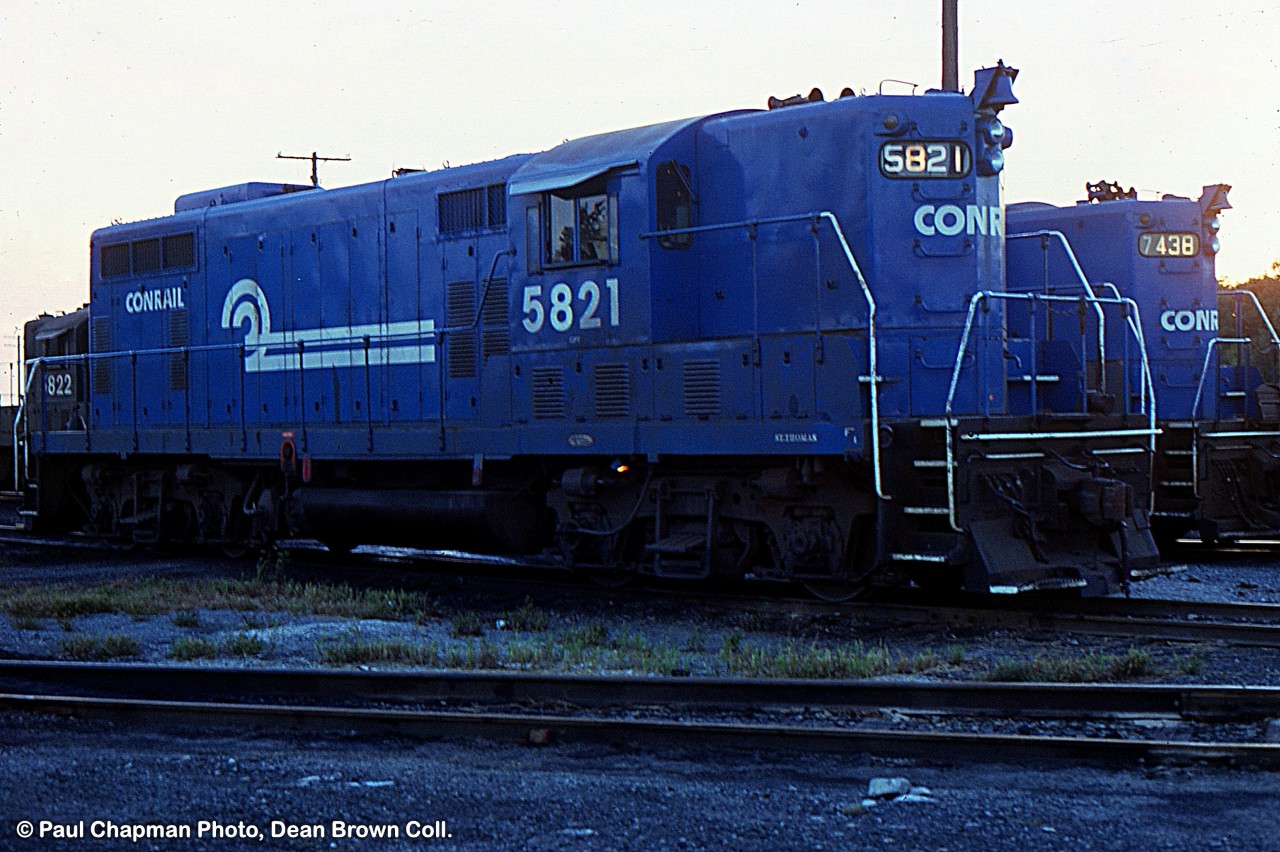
x=267, y=351
x=1189, y=320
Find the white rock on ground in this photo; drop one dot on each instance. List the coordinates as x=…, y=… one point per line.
x=887, y=788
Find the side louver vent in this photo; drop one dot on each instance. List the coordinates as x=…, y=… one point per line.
x=548, y=393
x=496, y=337
x=179, y=337
x=613, y=390
x=101, y=343
x=460, y=312
x=701, y=388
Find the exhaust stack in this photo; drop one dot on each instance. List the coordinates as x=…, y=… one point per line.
x=950, y=46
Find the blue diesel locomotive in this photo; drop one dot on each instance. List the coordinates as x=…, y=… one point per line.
x=768, y=344
x=1214, y=354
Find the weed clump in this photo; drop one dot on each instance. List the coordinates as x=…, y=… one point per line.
x=113, y=646
x=1091, y=668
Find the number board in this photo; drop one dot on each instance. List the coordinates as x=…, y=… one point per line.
x=1169, y=244
x=59, y=384
x=924, y=159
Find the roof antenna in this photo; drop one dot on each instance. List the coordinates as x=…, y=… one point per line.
x=315, y=160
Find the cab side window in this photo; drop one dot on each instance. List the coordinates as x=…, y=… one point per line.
x=582, y=226
x=673, y=194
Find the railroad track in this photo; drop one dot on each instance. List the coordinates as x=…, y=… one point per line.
x=1245, y=624
x=1253, y=625
x=1248, y=624
x=539, y=708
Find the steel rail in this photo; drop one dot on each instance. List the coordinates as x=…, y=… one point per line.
x=1248, y=634
x=1259, y=613
x=184, y=718
x=333, y=687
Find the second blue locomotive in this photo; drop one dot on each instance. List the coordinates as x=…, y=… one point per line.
x=1214, y=353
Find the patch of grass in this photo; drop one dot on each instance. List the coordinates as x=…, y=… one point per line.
x=955, y=655
x=580, y=638
x=529, y=655
x=159, y=596
x=273, y=563
x=528, y=618
x=243, y=645
x=813, y=661
x=1192, y=665
x=468, y=624
x=113, y=646
x=473, y=655
x=645, y=656
x=254, y=621
x=1090, y=668
x=189, y=617
x=186, y=648
x=27, y=623
x=697, y=641
x=754, y=621
x=355, y=649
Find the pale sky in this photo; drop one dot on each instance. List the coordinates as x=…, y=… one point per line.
x=110, y=109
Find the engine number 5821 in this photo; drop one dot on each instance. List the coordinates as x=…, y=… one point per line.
x=563, y=310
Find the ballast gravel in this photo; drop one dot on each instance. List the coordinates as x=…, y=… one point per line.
x=490, y=796
x=67, y=775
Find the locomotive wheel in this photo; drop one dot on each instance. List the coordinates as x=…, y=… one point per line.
x=234, y=550
x=835, y=591
x=610, y=579
x=860, y=564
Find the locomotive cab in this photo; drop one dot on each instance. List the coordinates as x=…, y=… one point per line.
x=55, y=350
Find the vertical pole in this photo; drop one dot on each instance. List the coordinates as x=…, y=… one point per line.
x=950, y=46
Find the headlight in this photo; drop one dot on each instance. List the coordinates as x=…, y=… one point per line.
x=1215, y=225
x=993, y=131
x=991, y=162
x=992, y=140
x=1214, y=245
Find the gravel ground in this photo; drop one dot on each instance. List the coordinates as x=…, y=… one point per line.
x=567, y=797
x=1231, y=576
x=496, y=796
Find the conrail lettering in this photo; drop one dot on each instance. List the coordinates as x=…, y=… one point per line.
x=952, y=219
x=149, y=301
x=1189, y=320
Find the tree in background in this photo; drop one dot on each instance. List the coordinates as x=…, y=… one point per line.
x=1267, y=288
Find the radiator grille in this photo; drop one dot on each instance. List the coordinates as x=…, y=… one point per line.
x=548, y=393
x=701, y=388
x=461, y=211
x=497, y=196
x=613, y=390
